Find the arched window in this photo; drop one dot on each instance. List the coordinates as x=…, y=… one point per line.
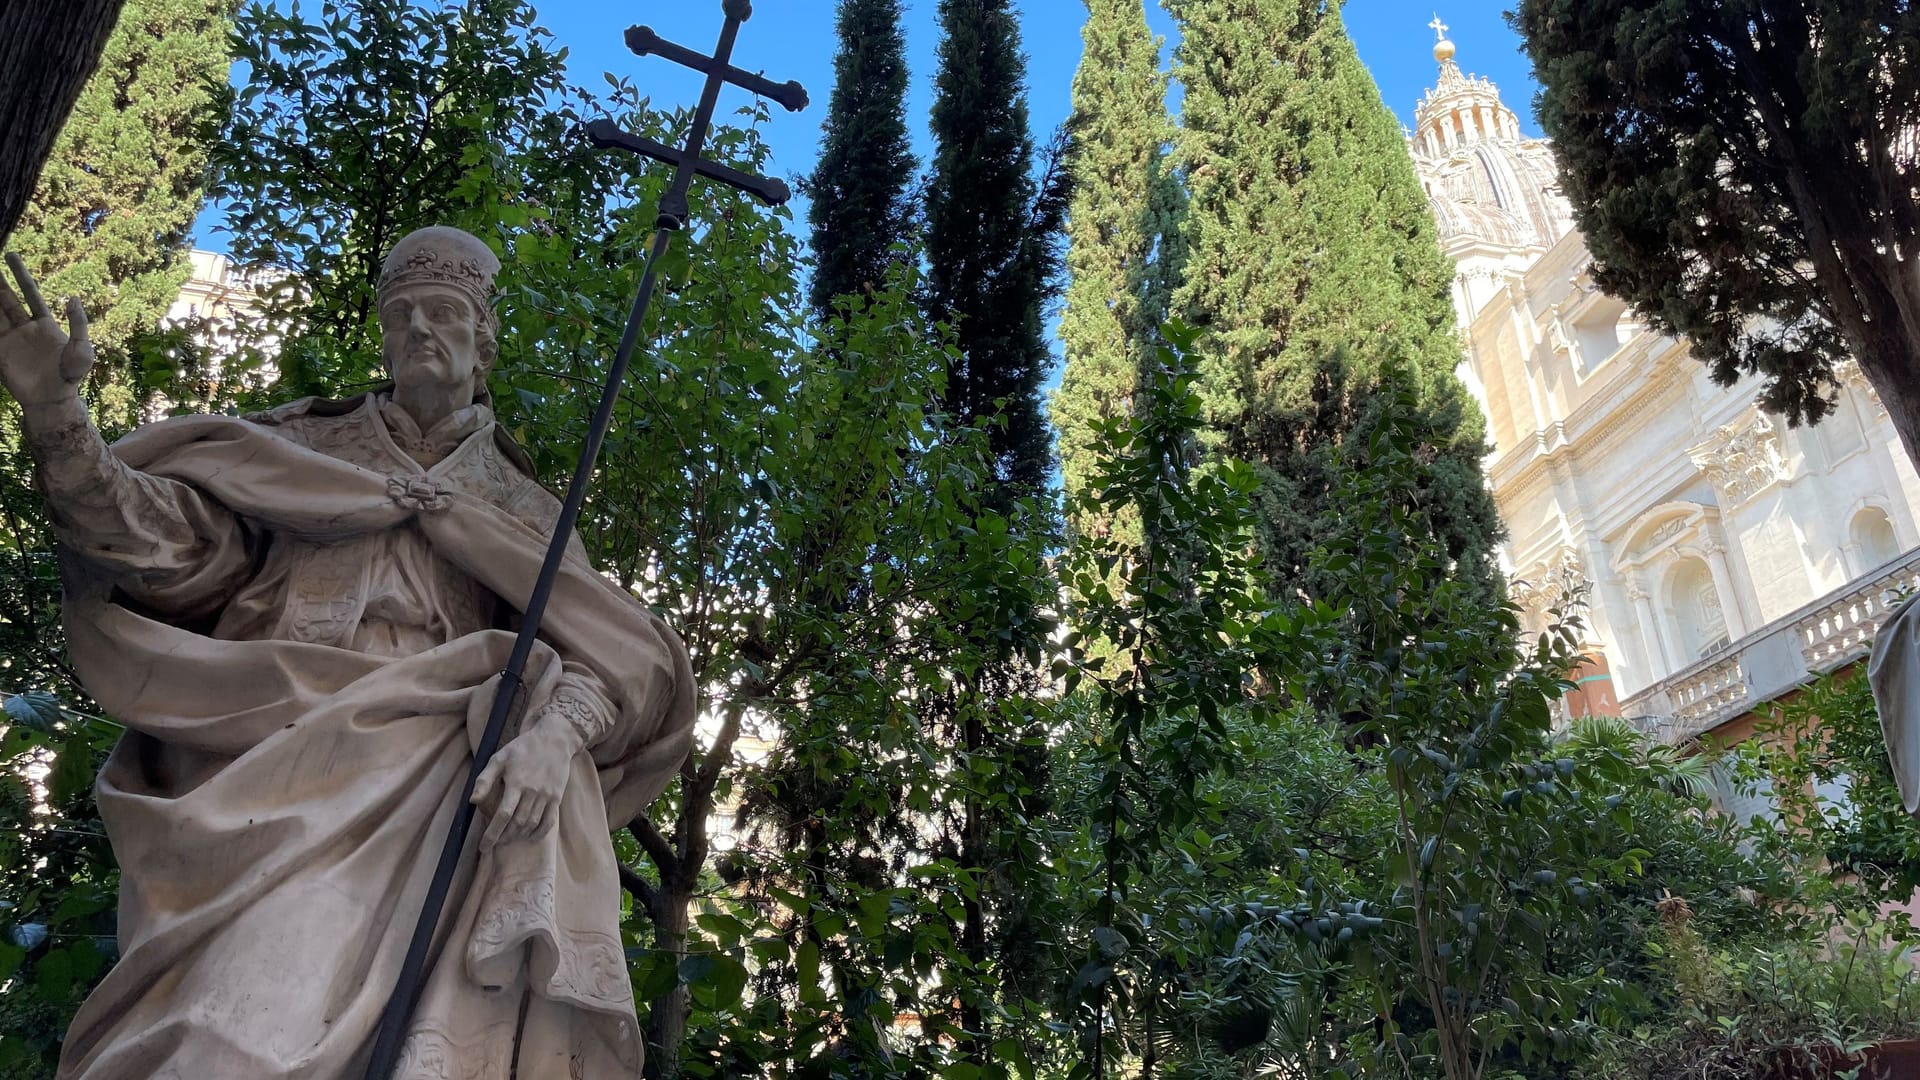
x=1874, y=538
x=1695, y=603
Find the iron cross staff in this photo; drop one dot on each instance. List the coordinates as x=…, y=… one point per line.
x=687, y=162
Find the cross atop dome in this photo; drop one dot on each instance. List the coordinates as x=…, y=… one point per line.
x=1443, y=49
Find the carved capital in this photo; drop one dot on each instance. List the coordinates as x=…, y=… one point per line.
x=1848, y=374
x=1553, y=583
x=1743, y=458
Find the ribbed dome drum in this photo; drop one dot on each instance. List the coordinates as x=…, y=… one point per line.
x=1489, y=183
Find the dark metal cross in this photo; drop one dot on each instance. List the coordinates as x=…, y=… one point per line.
x=643, y=41
x=687, y=162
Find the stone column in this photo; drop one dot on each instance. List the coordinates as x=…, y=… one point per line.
x=1730, y=608
x=1653, y=635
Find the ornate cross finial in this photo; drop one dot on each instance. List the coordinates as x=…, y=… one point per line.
x=687, y=161
x=1439, y=28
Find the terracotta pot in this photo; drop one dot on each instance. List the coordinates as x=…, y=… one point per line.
x=1897, y=1059
x=1894, y=1060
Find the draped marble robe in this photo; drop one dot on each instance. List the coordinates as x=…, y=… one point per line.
x=301, y=623
x=1893, y=672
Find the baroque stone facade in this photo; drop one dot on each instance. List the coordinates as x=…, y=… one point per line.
x=1699, y=527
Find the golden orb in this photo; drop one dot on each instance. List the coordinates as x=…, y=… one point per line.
x=1444, y=51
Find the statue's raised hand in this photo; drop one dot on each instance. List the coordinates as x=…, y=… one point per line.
x=40, y=364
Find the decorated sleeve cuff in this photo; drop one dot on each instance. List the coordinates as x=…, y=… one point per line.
x=582, y=705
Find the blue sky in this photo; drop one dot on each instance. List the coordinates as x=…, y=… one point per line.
x=794, y=39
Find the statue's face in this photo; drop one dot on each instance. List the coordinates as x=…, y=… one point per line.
x=428, y=337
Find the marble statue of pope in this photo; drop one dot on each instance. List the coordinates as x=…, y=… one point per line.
x=299, y=615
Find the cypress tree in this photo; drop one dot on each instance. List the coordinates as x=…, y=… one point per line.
x=108, y=222
x=859, y=187
x=991, y=237
x=991, y=248
x=1123, y=214
x=858, y=214
x=1313, y=274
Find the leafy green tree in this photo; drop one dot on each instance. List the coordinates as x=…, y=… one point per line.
x=859, y=209
x=1123, y=217
x=991, y=236
x=108, y=222
x=1167, y=858
x=991, y=251
x=1259, y=886
x=1743, y=174
x=1495, y=840
x=1826, y=758
x=1312, y=263
x=382, y=117
x=862, y=231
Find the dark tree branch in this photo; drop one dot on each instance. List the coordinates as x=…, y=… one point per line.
x=642, y=889
x=655, y=846
x=709, y=774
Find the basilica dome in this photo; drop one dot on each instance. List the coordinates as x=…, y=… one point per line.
x=1488, y=183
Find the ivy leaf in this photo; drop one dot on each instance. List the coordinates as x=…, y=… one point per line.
x=807, y=963
x=55, y=973
x=35, y=709
x=695, y=968
x=1090, y=976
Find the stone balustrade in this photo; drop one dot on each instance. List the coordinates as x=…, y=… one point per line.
x=1841, y=630
x=1823, y=636
x=1709, y=694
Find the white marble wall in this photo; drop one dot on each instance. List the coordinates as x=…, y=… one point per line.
x=1616, y=455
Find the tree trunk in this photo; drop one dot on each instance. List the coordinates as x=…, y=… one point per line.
x=667, y=1016
x=1898, y=384
x=48, y=50
x=679, y=864
x=1866, y=273
x=975, y=857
